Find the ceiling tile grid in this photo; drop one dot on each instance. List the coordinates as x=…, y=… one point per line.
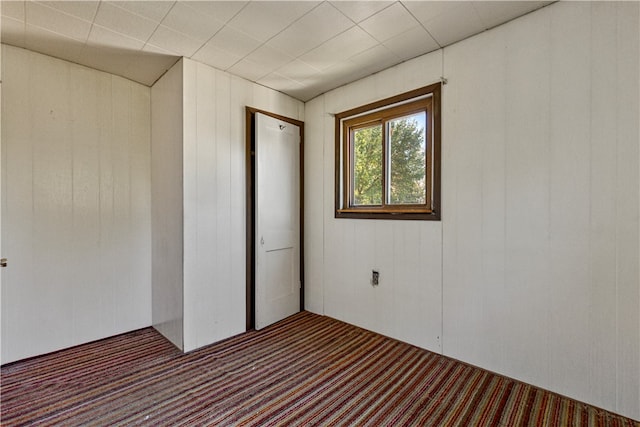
x=174, y=41
x=102, y=36
x=301, y=48
x=221, y=10
x=56, y=21
x=150, y=9
x=389, y=22
x=81, y=9
x=360, y=10
x=216, y=57
x=124, y=22
x=342, y=47
x=314, y=28
x=186, y=20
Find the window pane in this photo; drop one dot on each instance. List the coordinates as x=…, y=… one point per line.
x=367, y=166
x=407, y=183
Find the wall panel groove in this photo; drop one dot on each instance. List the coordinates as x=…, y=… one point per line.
x=69, y=226
x=538, y=253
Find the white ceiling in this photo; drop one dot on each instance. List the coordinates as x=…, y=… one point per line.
x=301, y=48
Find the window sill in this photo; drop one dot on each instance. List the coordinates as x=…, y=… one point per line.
x=421, y=215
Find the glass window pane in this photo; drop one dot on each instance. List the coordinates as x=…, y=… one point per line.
x=367, y=166
x=407, y=148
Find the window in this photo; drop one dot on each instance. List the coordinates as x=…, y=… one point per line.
x=388, y=158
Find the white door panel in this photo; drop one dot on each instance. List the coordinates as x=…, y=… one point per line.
x=277, y=225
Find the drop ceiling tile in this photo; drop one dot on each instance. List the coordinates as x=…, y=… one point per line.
x=101, y=36
x=124, y=22
x=216, y=57
x=389, y=22
x=249, y=70
x=279, y=82
x=269, y=58
x=412, y=43
x=351, y=42
x=425, y=11
x=57, y=22
x=263, y=19
x=192, y=23
x=360, y=10
x=12, y=31
x=493, y=13
x=297, y=70
x=13, y=9
x=377, y=58
x=233, y=41
x=265, y=41
x=340, y=74
x=80, y=9
x=148, y=48
x=153, y=10
x=455, y=24
x=174, y=41
x=314, y=28
x=221, y=10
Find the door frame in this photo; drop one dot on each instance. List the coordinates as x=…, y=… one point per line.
x=250, y=209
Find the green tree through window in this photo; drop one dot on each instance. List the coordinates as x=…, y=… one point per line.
x=408, y=166
x=367, y=186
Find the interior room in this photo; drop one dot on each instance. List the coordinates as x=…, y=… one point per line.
x=132, y=159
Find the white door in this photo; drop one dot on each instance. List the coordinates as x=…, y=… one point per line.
x=277, y=210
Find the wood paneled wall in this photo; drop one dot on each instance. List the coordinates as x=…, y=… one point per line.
x=76, y=205
x=201, y=150
x=541, y=250
x=341, y=253
x=167, y=215
x=214, y=197
x=539, y=247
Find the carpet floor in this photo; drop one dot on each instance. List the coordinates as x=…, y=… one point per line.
x=307, y=370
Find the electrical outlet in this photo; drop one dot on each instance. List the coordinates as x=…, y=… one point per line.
x=375, y=278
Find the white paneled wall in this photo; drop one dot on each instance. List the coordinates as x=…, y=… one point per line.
x=76, y=205
x=539, y=244
x=214, y=198
x=166, y=204
x=198, y=158
x=340, y=254
x=541, y=256
x=314, y=200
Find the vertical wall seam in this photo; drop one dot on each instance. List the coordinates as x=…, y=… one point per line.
x=615, y=216
x=590, y=182
x=196, y=193
x=443, y=103
x=130, y=151
x=111, y=127
x=550, y=180
x=505, y=99
x=72, y=142
x=324, y=216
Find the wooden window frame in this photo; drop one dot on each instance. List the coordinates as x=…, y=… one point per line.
x=423, y=99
